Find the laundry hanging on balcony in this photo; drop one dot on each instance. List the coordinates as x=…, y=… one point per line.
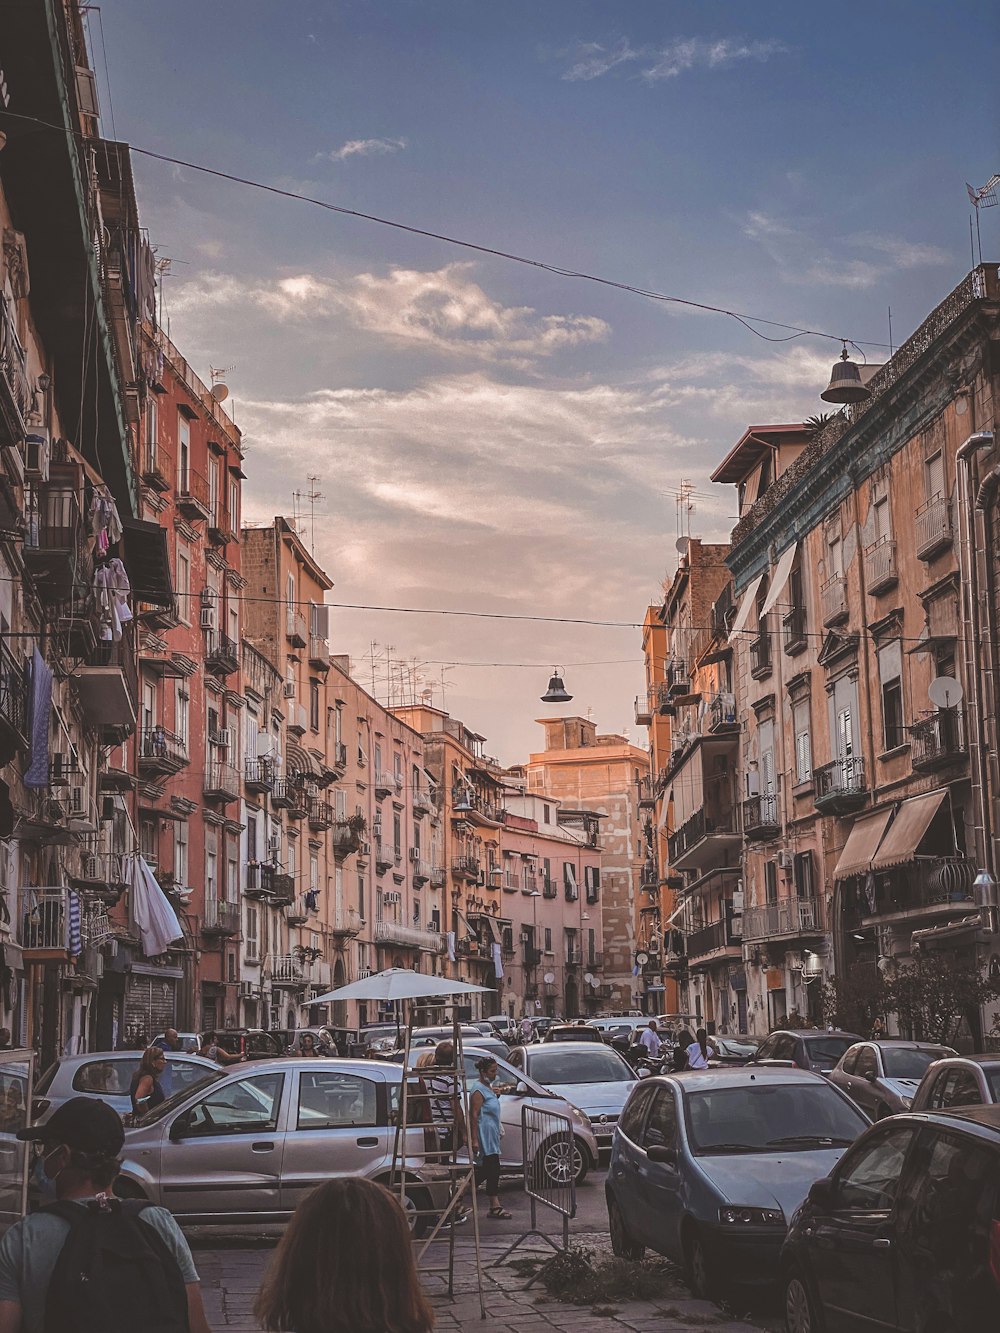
x=781, y=576
x=497, y=961
x=111, y=593
x=40, y=700
x=152, y=914
x=746, y=606
x=103, y=522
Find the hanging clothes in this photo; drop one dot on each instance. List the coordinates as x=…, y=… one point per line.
x=102, y=518
x=154, y=918
x=111, y=593
x=37, y=773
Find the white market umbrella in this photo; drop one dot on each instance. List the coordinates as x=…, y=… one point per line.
x=398, y=983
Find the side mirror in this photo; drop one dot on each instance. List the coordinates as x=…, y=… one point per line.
x=522, y=1089
x=645, y=1073
x=869, y=1077
x=821, y=1195
x=659, y=1153
x=180, y=1127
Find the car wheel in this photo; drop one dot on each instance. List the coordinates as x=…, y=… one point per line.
x=556, y=1163
x=699, y=1270
x=802, y=1314
x=416, y=1206
x=622, y=1243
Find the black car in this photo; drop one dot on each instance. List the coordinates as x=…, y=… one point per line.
x=904, y=1234
x=251, y=1043
x=818, y=1049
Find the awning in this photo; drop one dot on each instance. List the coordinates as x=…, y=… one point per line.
x=746, y=606
x=948, y=933
x=862, y=844
x=496, y=935
x=147, y=562
x=781, y=573
x=908, y=828
x=674, y=915
x=299, y=760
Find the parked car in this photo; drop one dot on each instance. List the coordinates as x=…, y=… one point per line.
x=190, y=1041
x=959, y=1080
x=588, y=1074
x=248, y=1145
x=732, y=1050
x=107, y=1075
x=618, y=1025
x=882, y=1076
x=806, y=1048
x=708, y=1167
x=571, y=1032
x=432, y=1036
x=327, y=1039
x=251, y=1043
x=904, y=1234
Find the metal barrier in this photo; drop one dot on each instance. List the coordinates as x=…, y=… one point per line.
x=551, y=1159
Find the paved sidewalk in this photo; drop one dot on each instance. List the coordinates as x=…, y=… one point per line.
x=230, y=1277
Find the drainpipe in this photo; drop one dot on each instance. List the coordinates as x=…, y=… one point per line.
x=984, y=499
x=972, y=640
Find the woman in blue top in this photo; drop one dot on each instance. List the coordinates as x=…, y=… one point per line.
x=484, y=1133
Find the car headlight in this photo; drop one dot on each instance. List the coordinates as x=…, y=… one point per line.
x=734, y=1216
x=581, y=1118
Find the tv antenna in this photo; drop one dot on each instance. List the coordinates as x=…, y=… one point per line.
x=312, y=495
x=984, y=197
x=220, y=390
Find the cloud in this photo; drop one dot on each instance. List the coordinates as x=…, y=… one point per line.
x=362, y=148
x=590, y=60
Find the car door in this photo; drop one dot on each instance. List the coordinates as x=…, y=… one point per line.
x=659, y=1182
x=851, y=1244
x=843, y=1075
x=221, y=1154
x=943, y=1233
x=862, y=1088
x=627, y=1157
x=337, y=1126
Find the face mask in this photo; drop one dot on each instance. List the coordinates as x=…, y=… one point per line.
x=44, y=1183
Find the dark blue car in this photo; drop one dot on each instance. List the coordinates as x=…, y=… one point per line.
x=707, y=1168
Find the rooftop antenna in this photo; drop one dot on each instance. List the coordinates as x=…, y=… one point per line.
x=311, y=495
x=163, y=266
x=220, y=390
x=984, y=197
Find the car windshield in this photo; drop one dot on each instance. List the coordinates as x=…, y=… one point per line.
x=826, y=1052
x=900, y=1062
x=730, y=1046
x=182, y=1094
x=593, y=1066
x=771, y=1117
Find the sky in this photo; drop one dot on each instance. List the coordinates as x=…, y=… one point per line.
x=487, y=435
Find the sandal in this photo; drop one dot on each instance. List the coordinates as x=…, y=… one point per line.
x=499, y=1213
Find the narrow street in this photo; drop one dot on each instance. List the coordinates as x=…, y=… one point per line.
x=231, y=1266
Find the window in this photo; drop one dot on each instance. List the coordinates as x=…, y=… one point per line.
x=572, y=948
x=592, y=882
x=329, y=1099
x=890, y=672
x=183, y=455
x=569, y=882
x=835, y=558
x=211, y=876
x=183, y=582
x=152, y=429
x=868, y=1180
x=546, y=814
x=251, y=937
x=949, y=1207
x=770, y=881
x=801, y=727
x=234, y=505
x=548, y=939
x=883, y=519
x=232, y=880
x=213, y=489
x=630, y=1122
x=361, y=895
x=866, y=1063
x=313, y=705
x=661, y=1127
x=397, y=835
x=955, y=1087
x=591, y=946
x=181, y=852
x=182, y=714
x=397, y=767
x=313, y=873
x=802, y=870
x=249, y=1106
x=850, y=1060
x=934, y=476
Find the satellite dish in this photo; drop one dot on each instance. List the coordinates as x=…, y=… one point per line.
x=220, y=392
x=642, y=958
x=945, y=692
x=681, y=545
x=588, y=978
x=549, y=978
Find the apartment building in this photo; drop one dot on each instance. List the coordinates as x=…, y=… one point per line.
x=598, y=775
x=865, y=652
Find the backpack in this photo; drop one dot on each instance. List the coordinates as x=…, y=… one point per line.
x=114, y=1274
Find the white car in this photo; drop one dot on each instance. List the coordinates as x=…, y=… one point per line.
x=588, y=1074
x=107, y=1075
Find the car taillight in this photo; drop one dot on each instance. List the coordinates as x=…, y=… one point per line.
x=38, y=1107
x=994, y=1258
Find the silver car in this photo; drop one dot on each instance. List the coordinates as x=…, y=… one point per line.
x=107, y=1075
x=248, y=1145
x=882, y=1076
x=588, y=1074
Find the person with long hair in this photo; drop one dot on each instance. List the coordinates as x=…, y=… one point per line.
x=698, y=1051
x=484, y=1133
x=679, y=1057
x=345, y=1265
x=144, y=1090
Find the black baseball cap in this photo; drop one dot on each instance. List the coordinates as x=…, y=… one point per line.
x=85, y=1124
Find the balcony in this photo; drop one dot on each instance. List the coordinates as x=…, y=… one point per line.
x=15, y=391
x=421, y=870
x=573, y=956
x=721, y=615
x=156, y=468
x=881, y=573
x=257, y=880
x=386, y=784
x=549, y=889
x=386, y=855
x=319, y=652
x=107, y=687
x=258, y=774
x=347, y=923
x=423, y=801
x=511, y=881
x=161, y=753
x=467, y=868
x=13, y=699
x=833, y=600
x=102, y=872
x=703, y=837
x=716, y=940
x=678, y=679
x=220, y=918
x=282, y=888
x=649, y=878
x=839, y=788
x=52, y=533
x=222, y=782
x=760, y=818
x=220, y=528
x=927, y=889
x=222, y=654
x=938, y=741
x=337, y=763
x=722, y=714
x=787, y=919
x=438, y=877
x=646, y=792
x=531, y=956
x=298, y=719
x=347, y=837
x=320, y=814
x=286, y=971
x=289, y=794
x=933, y=522
x=474, y=806
x=408, y=937
x=760, y=651
x=296, y=629
x=665, y=706
x=192, y=495
x=794, y=625
x=44, y=916
x=645, y=707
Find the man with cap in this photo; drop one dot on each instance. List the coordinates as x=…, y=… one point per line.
x=80, y=1146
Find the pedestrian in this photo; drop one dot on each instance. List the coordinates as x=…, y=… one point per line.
x=446, y=1108
x=53, y=1274
x=145, y=1090
x=697, y=1053
x=878, y=1030
x=526, y=1030
x=651, y=1040
x=345, y=1265
x=170, y=1041
x=484, y=1133
x=307, y=1045
x=211, y=1050
x=680, y=1056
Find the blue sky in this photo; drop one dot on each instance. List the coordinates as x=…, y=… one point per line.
x=497, y=437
